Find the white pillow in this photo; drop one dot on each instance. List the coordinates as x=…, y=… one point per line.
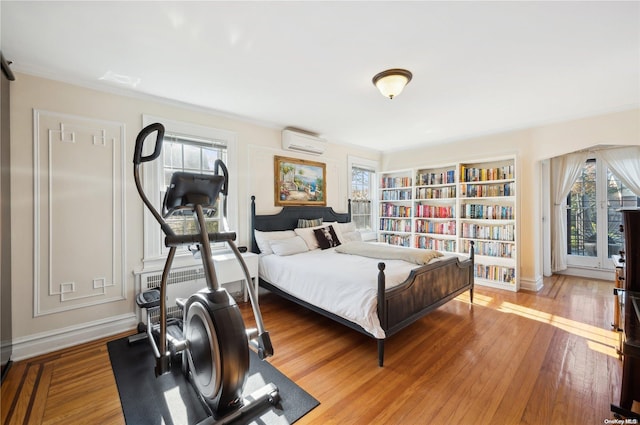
x=290, y=246
x=263, y=239
x=352, y=236
x=348, y=232
x=345, y=227
x=309, y=236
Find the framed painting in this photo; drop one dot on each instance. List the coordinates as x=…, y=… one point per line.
x=299, y=182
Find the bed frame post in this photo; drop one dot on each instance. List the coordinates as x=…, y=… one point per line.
x=381, y=310
x=254, y=245
x=472, y=270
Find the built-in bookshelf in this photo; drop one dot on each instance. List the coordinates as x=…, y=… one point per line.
x=447, y=207
x=435, y=225
x=487, y=217
x=395, y=208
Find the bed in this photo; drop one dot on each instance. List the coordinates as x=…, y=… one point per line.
x=393, y=293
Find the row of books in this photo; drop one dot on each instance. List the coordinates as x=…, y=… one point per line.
x=497, y=273
x=489, y=212
x=396, y=195
x=393, y=210
x=435, y=192
x=437, y=227
x=472, y=174
x=394, y=225
x=436, y=178
x=492, y=249
x=495, y=232
x=393, y=182
x=426, y=242
x=484, y=190
x=395, y=239
x=435, y=211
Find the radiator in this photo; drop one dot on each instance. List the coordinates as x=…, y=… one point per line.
x=180, y=284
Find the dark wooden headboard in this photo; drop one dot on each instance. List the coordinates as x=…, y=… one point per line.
x=287, y=218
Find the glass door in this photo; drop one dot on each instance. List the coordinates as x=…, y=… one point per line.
x=593, y=217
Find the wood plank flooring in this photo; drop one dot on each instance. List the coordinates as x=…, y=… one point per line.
x=511, y=358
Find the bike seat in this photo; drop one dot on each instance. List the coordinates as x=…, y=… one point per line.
x=148, y=299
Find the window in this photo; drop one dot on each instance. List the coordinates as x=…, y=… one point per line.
x=593, y=220
x=361, y=189
x=582, y=213
x=191, y=148
x=362, y=180
x=192, y=155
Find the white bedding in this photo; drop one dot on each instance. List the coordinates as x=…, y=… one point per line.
x=343, y=284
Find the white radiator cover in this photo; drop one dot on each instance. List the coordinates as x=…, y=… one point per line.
x=181, y=284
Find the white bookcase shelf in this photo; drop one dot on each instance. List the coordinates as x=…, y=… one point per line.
x=446, y=207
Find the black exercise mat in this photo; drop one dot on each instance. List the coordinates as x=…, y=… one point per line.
x=171, y=400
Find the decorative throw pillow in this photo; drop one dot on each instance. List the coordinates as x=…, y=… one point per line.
x=307, y=233
x=326, y=237
x=303, y=222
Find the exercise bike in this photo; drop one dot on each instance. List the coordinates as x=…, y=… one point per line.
x=212, y=339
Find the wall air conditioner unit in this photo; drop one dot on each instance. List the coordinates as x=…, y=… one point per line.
x=294, y=140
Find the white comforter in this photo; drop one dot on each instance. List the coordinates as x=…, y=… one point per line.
x=343, y=284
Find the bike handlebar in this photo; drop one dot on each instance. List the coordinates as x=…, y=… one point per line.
x=137, y=154
x=225, y=173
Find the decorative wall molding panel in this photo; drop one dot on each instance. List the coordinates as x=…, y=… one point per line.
x=79, y=203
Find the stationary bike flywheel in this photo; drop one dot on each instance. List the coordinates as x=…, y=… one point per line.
x=217, y=345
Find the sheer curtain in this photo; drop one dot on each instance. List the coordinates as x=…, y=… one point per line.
x=564, y=172
x=625, y=164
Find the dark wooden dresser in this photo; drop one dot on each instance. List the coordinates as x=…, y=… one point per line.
x=629, y=320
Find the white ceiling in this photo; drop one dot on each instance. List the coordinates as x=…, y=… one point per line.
x=479, y=67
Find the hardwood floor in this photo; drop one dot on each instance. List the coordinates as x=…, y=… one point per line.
x=512, y=358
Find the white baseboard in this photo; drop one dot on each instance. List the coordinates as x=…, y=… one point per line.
x=46, y=342
x=590, y=273
x=531, y=284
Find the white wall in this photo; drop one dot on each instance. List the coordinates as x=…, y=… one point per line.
x=531, y=147
x=257, y=144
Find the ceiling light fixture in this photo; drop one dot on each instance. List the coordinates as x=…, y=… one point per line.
x=392, y=81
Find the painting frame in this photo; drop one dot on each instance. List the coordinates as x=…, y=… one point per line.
x=299, y=182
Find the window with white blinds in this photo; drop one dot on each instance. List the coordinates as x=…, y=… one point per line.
x=193, y=155
x=191, y=148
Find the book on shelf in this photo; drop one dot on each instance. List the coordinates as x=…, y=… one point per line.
x=437, y=227
x=487, y=212
x=388, y=182
x=393, y=210
x=395, y=225
x=481, y=190
x=435, y=211
x=490, y=249
x=426, y=242
x=504, y=232
x=396, y=195
x=496, y=273
x=401, y=240
x=473, y=174
x=435, y=192
x=431, y=178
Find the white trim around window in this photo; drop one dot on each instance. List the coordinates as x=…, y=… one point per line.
x=354, y=161
x=151, y=174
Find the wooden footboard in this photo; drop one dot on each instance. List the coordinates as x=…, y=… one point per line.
x=426, y=289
